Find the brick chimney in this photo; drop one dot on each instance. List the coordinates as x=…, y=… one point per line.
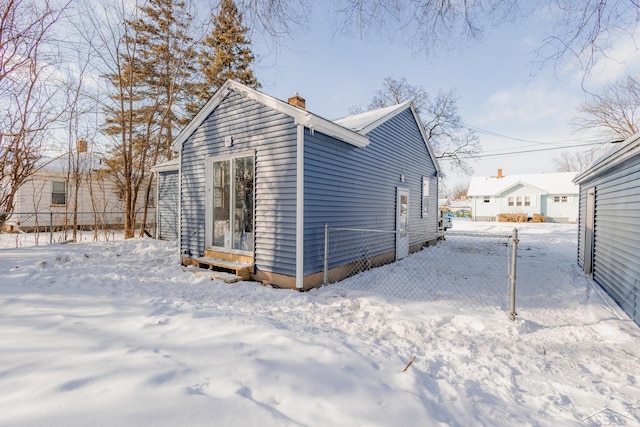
x=499, y=173
x=81, y=146
x=297, y=100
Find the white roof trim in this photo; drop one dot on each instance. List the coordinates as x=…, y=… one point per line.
x=300, y=116
x=628, y=149
x=425, y=139
x=171, y=165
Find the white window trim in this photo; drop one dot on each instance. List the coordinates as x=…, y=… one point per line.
x=425, y=197
x=57, y=192
x=208, y=227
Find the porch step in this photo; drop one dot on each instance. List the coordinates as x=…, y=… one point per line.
x=240, y=269
x=214, y=275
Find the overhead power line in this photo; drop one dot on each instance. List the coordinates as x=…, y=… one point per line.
x=510, y=153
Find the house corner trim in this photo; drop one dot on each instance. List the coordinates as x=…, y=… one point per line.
x=300, y=208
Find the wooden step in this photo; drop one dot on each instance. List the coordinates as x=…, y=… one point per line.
x=240, y=269
x=214, y=275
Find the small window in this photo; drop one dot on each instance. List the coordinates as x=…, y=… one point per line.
x=510, y=200
x=527, y=200
x=519, y=201
x=556, y=199
x=486, y=199
x=565, y=199
x=58, y=193
x=425, y=196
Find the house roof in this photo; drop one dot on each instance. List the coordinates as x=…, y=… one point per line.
x=369, y=120
x=300, y=116
x=363, y=123
x=621, y=153
x=548, y=183
x=351, y=129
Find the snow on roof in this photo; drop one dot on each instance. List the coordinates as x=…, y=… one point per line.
x=550, y=183
x=361, y=121
x=619, y=153
x=62, y=163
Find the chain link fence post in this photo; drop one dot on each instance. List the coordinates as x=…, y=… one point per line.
x=512, y=276
x=326, y=254
x=50, y=227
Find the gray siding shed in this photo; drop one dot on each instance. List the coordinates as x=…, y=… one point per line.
x=609, y=226
x=167, y=204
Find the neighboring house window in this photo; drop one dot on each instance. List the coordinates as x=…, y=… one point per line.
x=425, y=196
x=58, y=193
x=565, y=199
x=486, y=199
x=510, y=200
x=556, y=199
x=519, y=201
x=527, y=200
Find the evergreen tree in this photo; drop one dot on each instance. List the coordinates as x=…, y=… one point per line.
x=226, y=53
x=150, y=82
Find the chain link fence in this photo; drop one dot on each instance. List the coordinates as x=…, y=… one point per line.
x=469, y=271
x=43, y=228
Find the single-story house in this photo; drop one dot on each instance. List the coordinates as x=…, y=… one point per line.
x=609, y=226
x=552, y=195
x=260, y=177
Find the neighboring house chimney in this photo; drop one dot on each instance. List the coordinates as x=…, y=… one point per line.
x=81, y=146
x=297, y=100
x=499, y=173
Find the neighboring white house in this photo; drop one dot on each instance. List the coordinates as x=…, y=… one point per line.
x=51, y=193
x=553, y=195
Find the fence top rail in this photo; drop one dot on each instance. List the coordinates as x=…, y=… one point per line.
x=502, y=235
x=60, y=212
x=490, y=235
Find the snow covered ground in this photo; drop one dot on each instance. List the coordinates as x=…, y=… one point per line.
x=115, y=333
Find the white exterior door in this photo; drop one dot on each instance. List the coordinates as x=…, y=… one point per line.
x=402, y=223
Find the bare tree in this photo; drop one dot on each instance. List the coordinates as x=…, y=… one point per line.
x=452, y=141
x=615, y=111
x=28, y=109
x=575, y=162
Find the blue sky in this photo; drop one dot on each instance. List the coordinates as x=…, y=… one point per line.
x=501, y=90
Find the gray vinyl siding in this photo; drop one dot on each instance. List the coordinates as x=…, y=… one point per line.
x=616, y=254
x=167, y=205
x=352, y=187
x=273, y=137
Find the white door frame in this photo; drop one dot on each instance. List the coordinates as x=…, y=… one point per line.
x=402, y=222
x=589, y=225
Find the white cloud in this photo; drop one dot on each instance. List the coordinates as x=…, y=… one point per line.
x=527, y=104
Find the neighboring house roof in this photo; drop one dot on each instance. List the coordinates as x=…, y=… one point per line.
x=619, y=154
x=61, y=163
x=547, y=183
x=301, y=116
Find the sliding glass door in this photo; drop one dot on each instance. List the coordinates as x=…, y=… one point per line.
x=233, y=182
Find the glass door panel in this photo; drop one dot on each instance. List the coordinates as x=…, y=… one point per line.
x=221, y=197
x=243, y=210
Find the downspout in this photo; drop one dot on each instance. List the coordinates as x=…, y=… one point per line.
x=300, y=208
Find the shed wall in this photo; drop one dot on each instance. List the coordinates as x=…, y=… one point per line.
x=616, y=258
x=167, y=205
x=273, y=137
